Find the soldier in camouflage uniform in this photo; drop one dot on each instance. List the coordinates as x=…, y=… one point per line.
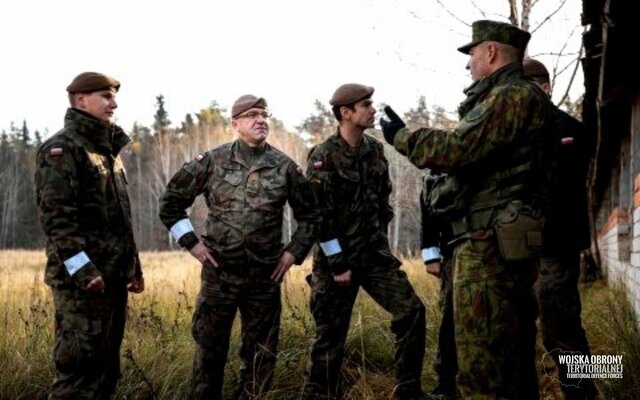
x=246, y=184
x=498, y=153
x=566, y=233
x=92, y=258
x=349, y=173
x=436, y=200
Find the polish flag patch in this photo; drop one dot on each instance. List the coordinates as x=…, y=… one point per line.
x=566, y=140
x=199, y=157
x=317, y=165
x=56, y=152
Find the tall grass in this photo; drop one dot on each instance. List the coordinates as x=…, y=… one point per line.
x=158, y=348
x=613, y=328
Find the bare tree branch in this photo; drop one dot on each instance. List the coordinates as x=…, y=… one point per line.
x=451, y=13
x=553, y=53
x=548, y=17
x=561, y=54
x=561, y=71
x=573, y=75
x=480, y=10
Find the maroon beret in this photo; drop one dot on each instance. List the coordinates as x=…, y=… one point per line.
x=350, y=93
x=247, y=102
x=88, y=82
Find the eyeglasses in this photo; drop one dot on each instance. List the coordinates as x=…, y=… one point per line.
x=255, y=115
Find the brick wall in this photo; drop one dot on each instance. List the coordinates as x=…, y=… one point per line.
x=619, y=242
x=619, y=215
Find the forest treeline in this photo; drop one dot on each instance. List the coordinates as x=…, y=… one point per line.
x=158, y=151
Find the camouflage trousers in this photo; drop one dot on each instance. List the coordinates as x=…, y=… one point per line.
x=218, y=302
x=446, y=362
x=331, y=307
x=88, y=334
x=494, y=314
x=560, y=309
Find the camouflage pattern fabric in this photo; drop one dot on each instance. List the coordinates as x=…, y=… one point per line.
x=498, y=151
x=494, y=316
x=246, y=190
x=88, y=328
x=82, y=196
x=503, y=112
x=353, y=189
x=331, y=306
x=487, y=30
x=81, y=188
x=218, y=302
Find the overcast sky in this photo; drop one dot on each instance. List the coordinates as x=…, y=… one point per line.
x=289, y=51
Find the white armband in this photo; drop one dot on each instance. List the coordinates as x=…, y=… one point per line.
x=76, y=262
x=180, y=228
x=430, y=254
x=331, y=247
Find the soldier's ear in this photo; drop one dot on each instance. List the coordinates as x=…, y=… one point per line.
x=492, y=52
x=345, y=112
x=82, y=100
x=77, y=100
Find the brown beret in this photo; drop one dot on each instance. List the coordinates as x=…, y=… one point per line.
x=350, y=93
x=88, y=82
x=247, y=102
x=535, y=69
x=486, y=30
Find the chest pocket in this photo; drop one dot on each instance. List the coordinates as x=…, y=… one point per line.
x=229, y=179
x=348, y=185
x=232, y=178
x=97, y=190
x=274, y=188
x=376, y=174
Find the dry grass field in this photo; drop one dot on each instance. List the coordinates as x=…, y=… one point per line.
x=157, y=351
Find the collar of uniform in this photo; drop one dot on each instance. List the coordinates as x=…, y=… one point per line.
x=246, y=155
x=109, y=137
x=119, y=139
x=480, y=87
x=508, y=72
x=363, y=148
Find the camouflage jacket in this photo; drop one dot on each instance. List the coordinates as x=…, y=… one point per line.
x=81, y=188
x=498, y=150
x=245, y=190
x=353, y=187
